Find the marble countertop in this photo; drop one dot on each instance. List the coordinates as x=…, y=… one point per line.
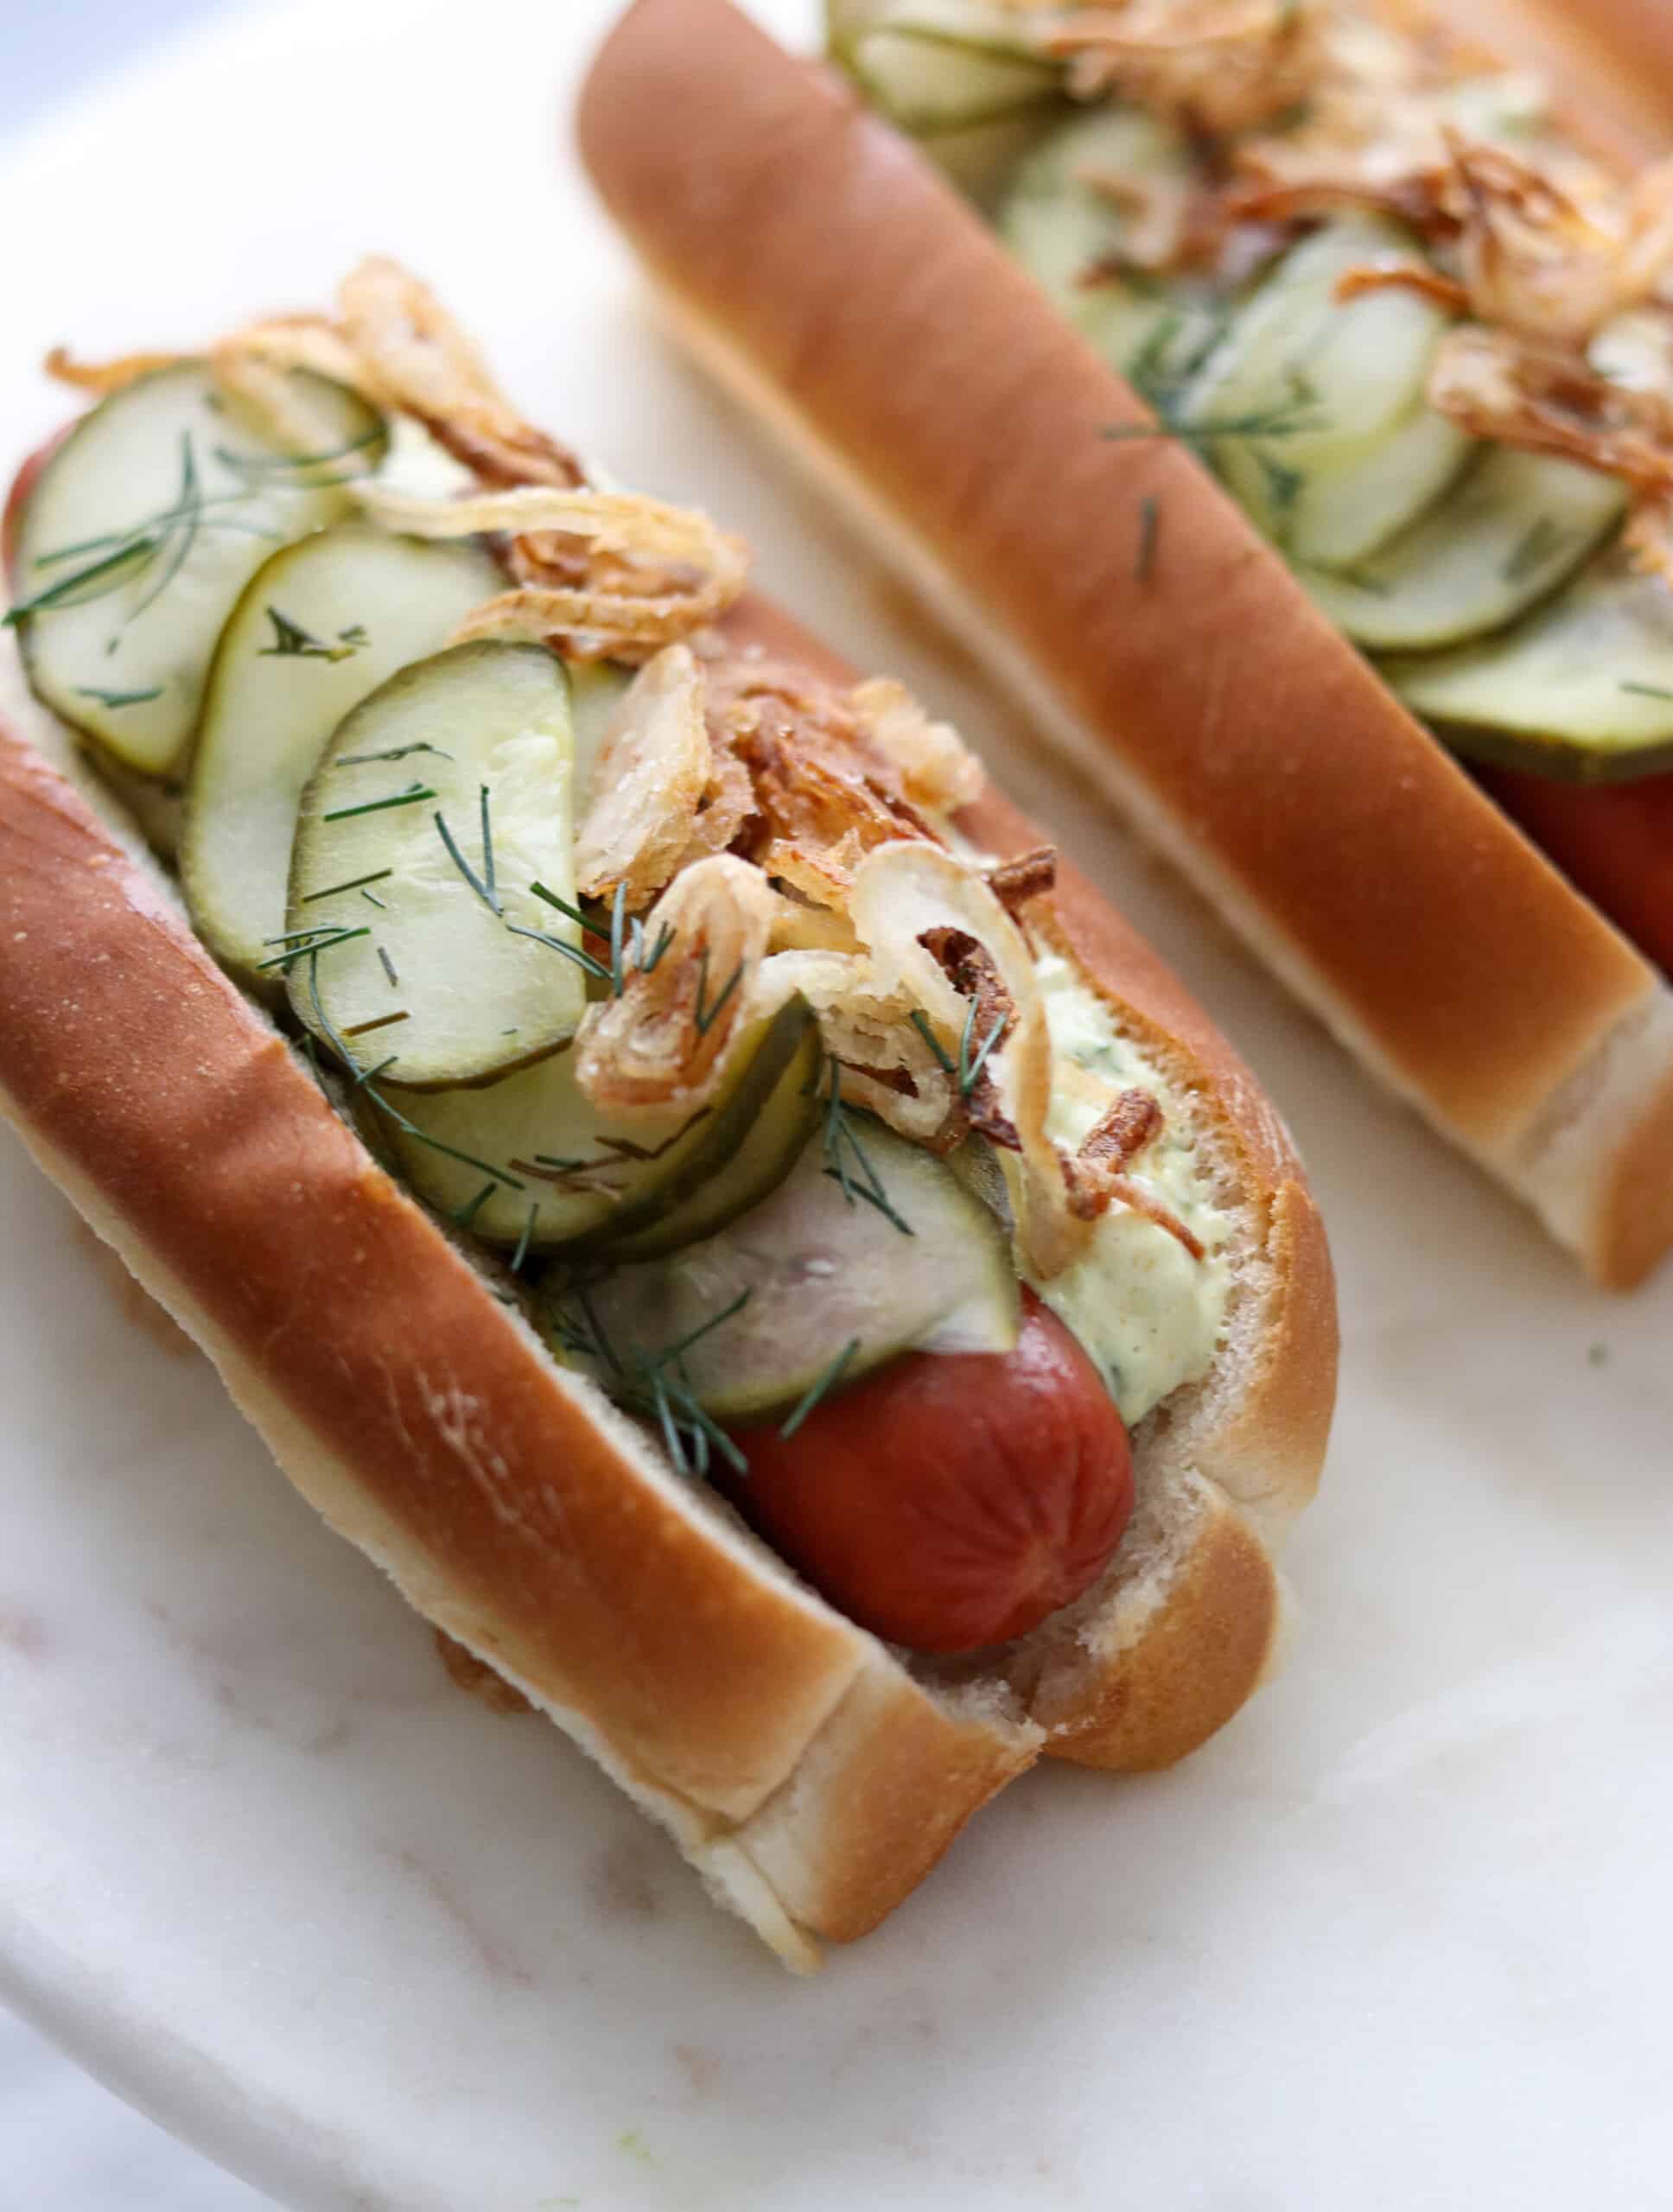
x=1395, y=1942
x=75, y=2147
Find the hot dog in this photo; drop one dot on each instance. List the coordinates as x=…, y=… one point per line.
x=770, y=1120
x=970, y=412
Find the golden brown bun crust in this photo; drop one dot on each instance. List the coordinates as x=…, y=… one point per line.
x=1206, y=1650
x=777, y=211
x=124, y=1053
x=1160, y=1695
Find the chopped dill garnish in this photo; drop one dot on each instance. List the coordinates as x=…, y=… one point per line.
x=383, y=1021
x=365, y=1078
x=819, y=1389
x=292, y=642
x=395, y=753
x=966, y=1069
x=388, y=966
x=1647, y=690
x=845, y=1153
x=1538, y=544
x=354, y=883
x=705, y=1016
x=410, y=796
x=481, y=885
x=115, y=699
x=318, y=941
x=1149, y=525
x=526, y=1238
x=466, y=1214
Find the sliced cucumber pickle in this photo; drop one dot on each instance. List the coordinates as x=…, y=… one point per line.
x=1314, y=409
x=933, y=65
x=1502, y=540
x=596, y=691
x=529, y=1160
x=1580, y=689
x=321, y=625
x=1060, y=226
x=809, y=1279
x=755, y=1133
x=144, y=527
x=445, y=797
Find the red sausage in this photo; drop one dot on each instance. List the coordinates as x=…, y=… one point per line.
x=1614, y=842
x=949, y=1500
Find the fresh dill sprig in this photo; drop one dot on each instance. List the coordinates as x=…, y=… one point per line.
x=263, y=464
x=578, y=953
x=388, y=967
x=481, y=885
x=115, y=699
x=703, y=1015
x=819, y=1389
x=1288, y=418
x=463, y=1216
x=408, y=798
x=646, y=962
x=292, y=642
x=966, y=1069
x=119, y=556
x=394, y=753
x=318, y=941
x=354, y=883
x=845, y=1154
x=1538, y=544
x=364, y=1079
x=1150, y=526
x=1647, y=690
x=526, y=1238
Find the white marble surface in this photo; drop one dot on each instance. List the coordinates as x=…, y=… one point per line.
x=1397, y=1941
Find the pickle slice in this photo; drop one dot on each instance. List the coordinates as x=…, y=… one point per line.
x=142, y=531
x=1061, y=227
x=815, y=1282
x=1502, y=540
x=933, y=65
x=530, y=1161
x=321, y=625
x=448, y=795
x=1314, y=409
x=1581, y=689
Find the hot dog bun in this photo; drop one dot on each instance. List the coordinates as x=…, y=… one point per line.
x=825, y=271
x=810, y=1775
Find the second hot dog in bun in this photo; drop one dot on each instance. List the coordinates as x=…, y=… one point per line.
x=1349, y=262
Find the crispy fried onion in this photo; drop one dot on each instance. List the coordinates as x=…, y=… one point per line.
x=1546, y=400
x=661, y=1049
x=413, y=356
x=1218, y=65
x=649, y=574
x=936, y=934
x=937, y=772
x=1097, y=1173
x=830, y=771
x=601, y=576
x=640, y=810
x=1551, y=263
x=102, y=378
x=887, y=1065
